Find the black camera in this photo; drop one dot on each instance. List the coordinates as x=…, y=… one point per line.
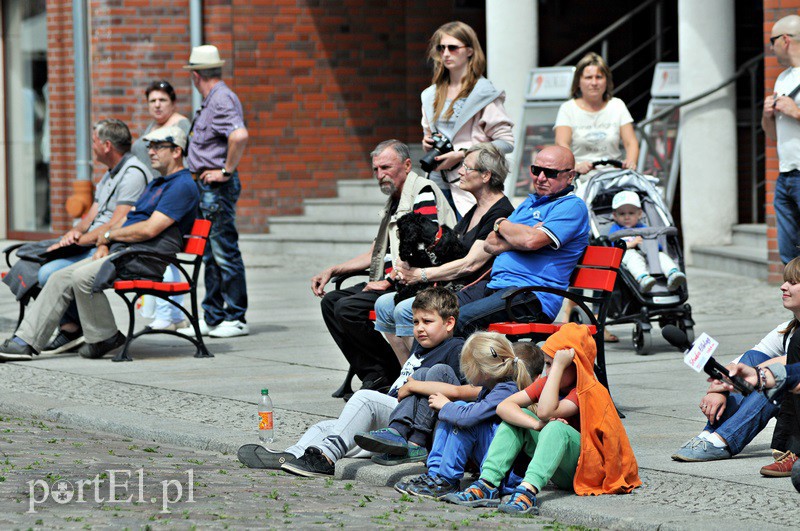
x=441, y=145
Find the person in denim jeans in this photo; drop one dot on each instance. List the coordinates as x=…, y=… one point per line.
x=734, y=420
x=781, y=124
x=216, y=144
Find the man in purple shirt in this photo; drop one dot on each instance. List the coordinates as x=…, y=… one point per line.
x=216, y=145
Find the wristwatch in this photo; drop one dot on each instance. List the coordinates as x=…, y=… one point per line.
x=497, y=224
x=226, y=173
x=107, y=235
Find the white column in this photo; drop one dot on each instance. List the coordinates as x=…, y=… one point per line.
x=708, y=148
x=512, y=49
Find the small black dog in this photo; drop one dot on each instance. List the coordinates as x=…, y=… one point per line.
x=423, y=243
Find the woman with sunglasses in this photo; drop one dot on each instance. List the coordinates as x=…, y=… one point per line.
x=592, y=122
x=461, y=105
x=161, y=106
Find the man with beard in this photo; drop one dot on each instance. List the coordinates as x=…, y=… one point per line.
x=346, y=311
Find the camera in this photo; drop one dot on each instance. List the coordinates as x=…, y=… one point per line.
x=441, y=145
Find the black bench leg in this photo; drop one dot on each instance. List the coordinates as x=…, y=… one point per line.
x=346, y=387
x=123, y=354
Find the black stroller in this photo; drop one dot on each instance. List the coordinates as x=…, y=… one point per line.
x=629, y=304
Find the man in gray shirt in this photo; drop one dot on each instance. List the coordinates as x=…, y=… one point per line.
x=115, y=195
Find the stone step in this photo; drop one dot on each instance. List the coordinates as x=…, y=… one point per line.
x=366, y=189
x=331, y=210
x=747, y=261
x=750, y=235
x=341, y=229
x=334, y=251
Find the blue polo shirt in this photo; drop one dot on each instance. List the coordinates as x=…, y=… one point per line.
x=566, y=221
x=174, y=195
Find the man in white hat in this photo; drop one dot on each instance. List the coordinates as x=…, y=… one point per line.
x=216, y=144
x=163, y=214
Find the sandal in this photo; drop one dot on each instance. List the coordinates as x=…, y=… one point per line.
x=608, y=337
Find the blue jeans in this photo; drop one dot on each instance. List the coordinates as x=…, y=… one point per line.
x=787, y=214
x=481, y=306
x=226, y=287
x=453, y=446
x=744, y=416
x=394, y=319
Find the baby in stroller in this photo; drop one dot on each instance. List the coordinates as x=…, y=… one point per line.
x=627, y=214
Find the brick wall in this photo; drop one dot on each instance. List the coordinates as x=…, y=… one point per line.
x=773, y=10
x=321, y=82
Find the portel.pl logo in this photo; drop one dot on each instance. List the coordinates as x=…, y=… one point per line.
x=112, y=486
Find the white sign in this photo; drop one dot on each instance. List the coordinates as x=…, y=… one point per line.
x=666, y=81
x=550, y=83
x=701, y=351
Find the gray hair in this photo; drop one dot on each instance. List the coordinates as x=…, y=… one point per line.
x=116, y=132
x=210, y=73
x=490, y=159
x=398, y=147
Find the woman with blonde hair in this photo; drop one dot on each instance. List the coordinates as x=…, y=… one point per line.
x=462, y=106
x=592, y=122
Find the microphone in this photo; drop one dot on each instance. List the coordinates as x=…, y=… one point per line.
x=677, y=338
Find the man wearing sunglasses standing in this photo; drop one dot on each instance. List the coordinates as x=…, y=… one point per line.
x=781, y=123
x=539, y=244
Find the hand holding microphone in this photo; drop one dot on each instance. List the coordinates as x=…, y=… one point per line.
x=698, y=356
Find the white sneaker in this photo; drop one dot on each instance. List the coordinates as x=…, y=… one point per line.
x=205, y=330
x=647, y=282
x=230, y=329
x=675, y=280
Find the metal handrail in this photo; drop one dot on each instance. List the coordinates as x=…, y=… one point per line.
x=742, y=69
x=603, y=34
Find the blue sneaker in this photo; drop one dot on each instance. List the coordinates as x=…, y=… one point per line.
x=383, y=441
x=403, y=485
x=522, y=501
x=434, y=488
x=414, y=454
x=698, y=449
x=479, y=494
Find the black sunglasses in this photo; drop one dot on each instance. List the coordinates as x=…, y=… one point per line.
x=550, y=173
x=450, y=47
x=776, y=37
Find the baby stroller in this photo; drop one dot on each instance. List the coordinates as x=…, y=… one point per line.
x=629, y=304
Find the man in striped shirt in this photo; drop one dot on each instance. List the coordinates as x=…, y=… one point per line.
x=346, y=311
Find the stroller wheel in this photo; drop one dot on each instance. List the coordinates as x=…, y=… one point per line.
x=689, y=331
x=641, y=340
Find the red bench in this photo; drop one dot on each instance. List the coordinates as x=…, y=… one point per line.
x=597, y=271
x=132, y=290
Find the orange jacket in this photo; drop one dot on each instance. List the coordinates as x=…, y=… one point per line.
x=606, y=464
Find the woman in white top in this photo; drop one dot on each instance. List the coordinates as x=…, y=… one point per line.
x=593, y=122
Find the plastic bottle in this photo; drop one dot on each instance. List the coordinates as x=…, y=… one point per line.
x=265, y=420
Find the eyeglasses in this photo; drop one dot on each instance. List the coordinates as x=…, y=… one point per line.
x=159, y=147
x=550, y=173
x=468, y=169
x=450, y=47
x=776, y=37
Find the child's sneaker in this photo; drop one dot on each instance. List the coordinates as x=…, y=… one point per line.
x=479, y=494
x=383, y=441
x=522, y=501
x=433, y=487
x=414, y=454
x=646, y=282
x=675, y=280
x=402, y=486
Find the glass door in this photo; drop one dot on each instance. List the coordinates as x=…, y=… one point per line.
x=27, y=122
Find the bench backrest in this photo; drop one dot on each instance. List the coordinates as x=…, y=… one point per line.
x=598, y=268
x=196, y=240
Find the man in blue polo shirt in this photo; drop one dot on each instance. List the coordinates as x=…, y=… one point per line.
x=164, y=213
x=538, y=245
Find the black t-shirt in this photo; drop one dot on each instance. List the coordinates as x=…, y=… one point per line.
x=501, y=209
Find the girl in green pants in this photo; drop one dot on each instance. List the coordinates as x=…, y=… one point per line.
x=549, y=434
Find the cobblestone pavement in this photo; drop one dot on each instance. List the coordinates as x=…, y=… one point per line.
x=215, y=490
